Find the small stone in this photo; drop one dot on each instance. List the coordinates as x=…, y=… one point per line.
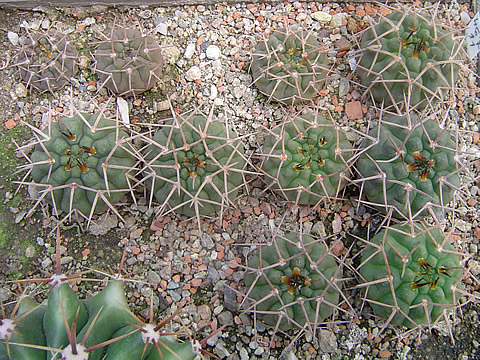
x=172, y=285
x=13, y=38
x=89, y=21
x=153, y=277
x=30, y=252
x=328, y=341
x=213, y=52
x=45, y=23
x=230, y=299
x=225, y=317
x=337, y=224
x=193, y=74
x=46, y=263
x=213, y=92
x=465, y=17
x=189, y=51
x=353, y=110
x=322, y=17
x=171, y=54
x=239, y=91
x=20, y=90
x=336, y=20
x=201, y=8
x=343, y=87
x=145, y=14
x=19, y=217
x=204, y=312
x=244, y=354
x=162, y=28
x=207, y=242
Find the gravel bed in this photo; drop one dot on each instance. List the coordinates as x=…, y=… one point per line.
x=169, y=259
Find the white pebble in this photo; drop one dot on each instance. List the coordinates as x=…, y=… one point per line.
x=194, y=73
x=465, y=17
x=337, y=20
x=13, y=37
x=213, y=92
x=321, y=16
x=161, y=28
x=189, y=51
x=213, y=52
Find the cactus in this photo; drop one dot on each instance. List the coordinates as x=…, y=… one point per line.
x=127, y=62
x=306, y=158
x=408, y=56
x=46, y=61
x=290, y=67
x=194, y=165
x=82, y=163
x=409, y=165
x=411, y=280
x=293, y=281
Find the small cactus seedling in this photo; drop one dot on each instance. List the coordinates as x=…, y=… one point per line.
x=306, y=158
x=82, y=163
x=194, y=165
x=411, y=280
x=293, y=282
x=127, y=62
x=409, y=165
x=47, y=61
x=408, y=58
x=290, y=66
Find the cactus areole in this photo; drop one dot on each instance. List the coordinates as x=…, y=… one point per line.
x=301, y=279
x=84, y=154
x=424, y=270
x=303, y=158
x=408, y=55
x=412, y=169
x=289, y=67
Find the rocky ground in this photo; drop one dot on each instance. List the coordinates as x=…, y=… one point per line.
x=172, y=260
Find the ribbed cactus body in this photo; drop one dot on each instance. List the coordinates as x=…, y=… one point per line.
x=83, y=154
x=306, y=157
x=307, y=275
x=424, y=271
x=408, y=56
x=195, y=165
x=289, y=67
x=128, y=63
x=411, y=167
x=47, y=61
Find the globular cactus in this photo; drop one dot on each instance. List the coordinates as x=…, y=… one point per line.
x=306, y=158
x=290, y=66
x=409, y=165
x=195, y=165
x=407, y=57
x=82, y=163
x=99, y=327
x=46, y=61
x=127, y=62
x=411, y=280
x=293, y=281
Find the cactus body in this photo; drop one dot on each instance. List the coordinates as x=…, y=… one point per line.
x=83, y=159
x=47, y=61
x=308, y=275
x=194, y=165
x=417, y=161
x=424, y=270
x=408, y=55
x=127, y=62
x=289, y=67
x=304, y=158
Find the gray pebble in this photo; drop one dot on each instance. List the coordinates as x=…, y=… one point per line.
x=153, y=277
x=162, y=28
x=46, y=263
x=465, y=17
x=172, y=285
x=225, y=317
x=207, y=242
x=30, y=252
x=145, y=14
x=13, y=38
x=213, y=274
x=230, y=299
x=175, y=296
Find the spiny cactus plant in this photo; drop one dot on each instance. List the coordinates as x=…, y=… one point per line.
x=194, y=164
x=82, y=163
x=98, y=327
x=412, y=280
x=306, y=158
x=46, y=61
x=409, y=165
x=408, y=58
x=290, y=66
x=127, y=62
x=293, y=281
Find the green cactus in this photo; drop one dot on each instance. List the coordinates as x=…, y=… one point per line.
x=46, y=61
x=127, y=62
x=414, y=279
x=290, y=67
x=410, y=166
x=306, y=158
x=408, y=55
x=293, y=279
x=100, y=327
x=82, y=163
x=194, y=165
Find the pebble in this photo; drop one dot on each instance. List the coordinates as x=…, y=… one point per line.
x=153, y=277
x=145, y=14
x=336, y=21
x=20, y=90
x=322, y=17
x=162, y=28
x=213, y=52
x=193, y=74
x=30, y=252
x=225, y=317
x=465, y=17
x=46, y=263
x=13, y=38
x=189, y=51
x=19, y=217
x=327, y=341
x=204, y=312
